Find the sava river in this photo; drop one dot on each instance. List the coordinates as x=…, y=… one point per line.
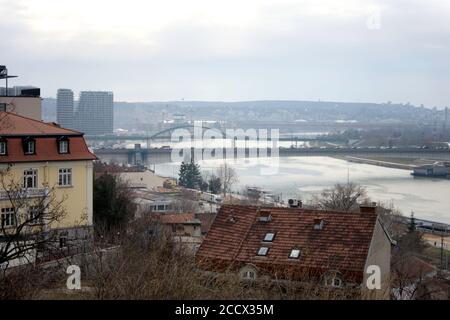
x=303, y=177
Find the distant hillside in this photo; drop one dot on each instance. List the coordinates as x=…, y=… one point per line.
x=133, y=115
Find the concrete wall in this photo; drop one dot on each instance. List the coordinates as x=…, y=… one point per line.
x=379, y=255
x=29, y=107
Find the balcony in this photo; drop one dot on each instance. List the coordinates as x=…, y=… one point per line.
x=24, y=193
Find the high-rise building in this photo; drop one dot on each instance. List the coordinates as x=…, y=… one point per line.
x=95, y=113
x=64, y=108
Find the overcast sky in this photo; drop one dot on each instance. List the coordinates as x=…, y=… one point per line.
x=146, y=50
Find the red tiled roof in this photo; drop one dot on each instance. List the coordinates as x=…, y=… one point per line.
x=178, y=218
x=237, y=234
x=14, y=127
x=12, y=124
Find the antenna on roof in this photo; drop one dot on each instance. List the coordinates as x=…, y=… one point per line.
x=4, y=75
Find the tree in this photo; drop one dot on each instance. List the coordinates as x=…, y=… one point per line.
x=215, y=184
x=26, y=220
x=342, y=197
x=228, y=178
x=190, y=176
x=113, y=202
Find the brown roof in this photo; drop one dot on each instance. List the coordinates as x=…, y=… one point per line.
x=14, y=128
x=12, y=124
x=178, y=218
x=237, y=234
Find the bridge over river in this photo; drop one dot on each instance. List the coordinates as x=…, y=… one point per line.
x=163, y=155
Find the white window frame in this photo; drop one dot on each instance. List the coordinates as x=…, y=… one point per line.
x=65, y=177
x=334, y=281
x=31, y=147
x=31, y=210
x=295, y=254
x=64, y=146
x=249, y=275
x=269, y=237
x=33, y=174
x=263, y=251
x=3, y=148
x=8, y=214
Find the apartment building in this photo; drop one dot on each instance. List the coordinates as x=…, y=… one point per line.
x=46, y=160
x=64, y=108
x=333, y=249
x=95, y=113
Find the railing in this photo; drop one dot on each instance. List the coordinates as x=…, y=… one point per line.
x=23, y=193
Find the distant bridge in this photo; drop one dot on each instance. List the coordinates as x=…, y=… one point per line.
x=161, y=155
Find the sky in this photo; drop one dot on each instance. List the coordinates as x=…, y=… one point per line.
x=232, y=50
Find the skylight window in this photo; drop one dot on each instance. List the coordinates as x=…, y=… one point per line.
x=319, y=224
x=269, y=237
x=263, y=251
x=295, y=254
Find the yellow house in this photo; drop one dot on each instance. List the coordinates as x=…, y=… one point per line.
x=45, y=159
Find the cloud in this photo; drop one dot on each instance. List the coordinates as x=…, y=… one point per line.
x=234, y=49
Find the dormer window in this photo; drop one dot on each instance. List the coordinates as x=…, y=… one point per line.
x=263, y=251
x=269, y=237
x=319, y=224
x=29, y=146
x=295, y=254
x=3, y=148
x=63, y=146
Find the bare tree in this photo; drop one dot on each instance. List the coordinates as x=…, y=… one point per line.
x=342, y=197
x=228, y=177
x=26, y=220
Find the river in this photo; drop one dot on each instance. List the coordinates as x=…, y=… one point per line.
x=303, y=177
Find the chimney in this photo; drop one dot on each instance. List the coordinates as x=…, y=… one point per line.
x=368, y=208
x=295, y=203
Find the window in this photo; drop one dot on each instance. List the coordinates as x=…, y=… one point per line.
x=30, y=179
x=263, y=251
x=65, y=177
x=8, y=217
x=249, y=275
x=63, y=146
x=333, y=281
x=269, y=237
x=3, y=149
x=35, y=215
x=30, y=147
x=62, y=241
x=319, y=224
x=295, y=254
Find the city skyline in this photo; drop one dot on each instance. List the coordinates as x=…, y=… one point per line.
x=359, y=51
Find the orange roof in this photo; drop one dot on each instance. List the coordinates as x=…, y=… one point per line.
x=12, y=124
x=178, y=218
x=14, y=127
x=237, y=234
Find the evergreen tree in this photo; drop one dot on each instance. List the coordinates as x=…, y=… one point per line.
x=190, y=176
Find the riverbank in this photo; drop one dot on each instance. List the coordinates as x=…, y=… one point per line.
x=404, y=164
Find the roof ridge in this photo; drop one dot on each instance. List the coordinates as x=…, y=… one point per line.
x=38, y=121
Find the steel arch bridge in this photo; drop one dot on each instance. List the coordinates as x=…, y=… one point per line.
x=162, y=133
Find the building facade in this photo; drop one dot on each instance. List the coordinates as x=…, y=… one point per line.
x=64, y=108
x=95, y=113
x=25, y=101
x=41, y=160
